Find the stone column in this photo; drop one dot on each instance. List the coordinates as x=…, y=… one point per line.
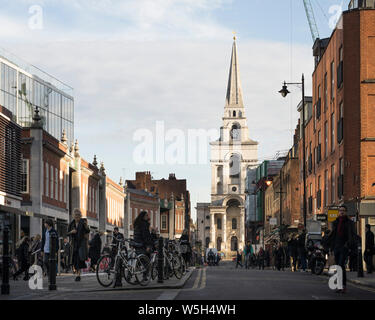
x=212, y=229
x=224, y=244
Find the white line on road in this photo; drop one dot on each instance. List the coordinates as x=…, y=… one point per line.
x=203, y=283
x=168, y=295
x=196, y=282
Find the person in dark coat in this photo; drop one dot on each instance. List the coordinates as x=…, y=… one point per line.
x=239, y=259
x=94, y=250
x=66, y=255
x=142, y=234
x=46, y=245
x=341, y=239
x=184, y=241
x=35, y=252
x=261, y=257
x=280, y=257
x=78, y=230
x=293, y=252
x=369, y=248
x=23, y=259
x=302, y=249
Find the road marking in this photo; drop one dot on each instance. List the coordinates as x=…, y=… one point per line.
x=196, y=282
x=168, y=295
x=203, y=283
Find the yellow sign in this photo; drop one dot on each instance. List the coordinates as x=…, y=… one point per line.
x=333, y=214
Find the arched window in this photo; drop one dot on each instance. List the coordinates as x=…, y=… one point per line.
x=240, y=114
x=235, y=132
x=234, y=168
x=207, y=242
x=218, y=244
x=234, y=223
x=219, y=171
x=234, y=113
x=234, y=244
x=218, y=223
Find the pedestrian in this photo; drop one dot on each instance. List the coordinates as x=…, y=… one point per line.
x=78, y=230
x=280, y=257
x=239, y=259
x=248, y=251
x=66, y=254
x=95, y=247
x=293, y=249
x=267, y=257
x=185, y=247
x=142, y=234
x=23, y=259
x=341, y=239
x=35, y=251
x=353, y=256
x=302, y=250
x=369, y=249
x=261, y=256
x=46, y=245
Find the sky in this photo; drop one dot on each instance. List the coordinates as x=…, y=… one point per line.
x=136, y=63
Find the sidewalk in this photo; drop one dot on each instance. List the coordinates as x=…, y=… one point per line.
x=368, y=280
x=65, y=284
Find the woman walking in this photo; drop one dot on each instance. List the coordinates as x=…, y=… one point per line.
x=77, y=230
x=23, y=259
x=94, y=250
x=142, y=233
x=185, y=244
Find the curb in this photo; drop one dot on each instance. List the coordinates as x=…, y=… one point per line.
x=178, y=285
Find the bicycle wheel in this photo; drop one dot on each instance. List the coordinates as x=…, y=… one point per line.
x=154, y=270
x=143, y=270
x=105, y=272
x=129, y=276
x=183, y=264
x=177, y=266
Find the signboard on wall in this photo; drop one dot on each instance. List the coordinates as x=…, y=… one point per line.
x=333, y=214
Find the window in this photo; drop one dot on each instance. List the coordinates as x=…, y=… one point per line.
x=332, y=132
x=340, y=124
x=319, y=194
x=340, y=180
x=326, y=139
x=332, y=80
x=235, y=133
x=56, y=184
x=325, y=92
x=234, y=113
x=46, y=180
x=234, y=244
x=61, y=185
x=218, y=244
x=25, y=176
x=219, y=223
x=333, y=184
x=340, y=69
x=164, y=222
x=207, y=242
x=234, y=223
x=319, y=148
x=51, y=182
x=326, y=188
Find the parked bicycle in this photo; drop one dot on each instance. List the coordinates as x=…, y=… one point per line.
x=135, y=269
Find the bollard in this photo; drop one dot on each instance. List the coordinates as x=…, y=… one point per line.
x=52, y=262
x=160, y=259
x=5, y=283
x=359, y=260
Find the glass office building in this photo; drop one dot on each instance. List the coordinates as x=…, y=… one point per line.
x=23, y=87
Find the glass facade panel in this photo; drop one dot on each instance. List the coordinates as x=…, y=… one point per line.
x=56, y=108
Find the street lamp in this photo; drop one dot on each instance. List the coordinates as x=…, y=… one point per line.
x=284, y=92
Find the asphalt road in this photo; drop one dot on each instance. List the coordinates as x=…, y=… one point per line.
x=227, y=283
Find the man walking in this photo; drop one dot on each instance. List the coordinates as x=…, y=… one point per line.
x=239, y=259
x=369, y=248
x=46, y=243
x=341, y=239
x=248, y=251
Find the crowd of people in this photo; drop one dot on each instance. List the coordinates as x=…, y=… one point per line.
x=341, y=243
x=77, y=252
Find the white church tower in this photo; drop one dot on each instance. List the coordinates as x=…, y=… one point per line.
x=231, y=156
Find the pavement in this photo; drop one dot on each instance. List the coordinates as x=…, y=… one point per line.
x=223, y=283
x=368, y=280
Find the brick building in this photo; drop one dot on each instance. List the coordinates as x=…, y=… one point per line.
x=137, y=201
x=174, y=201
x=340, y=136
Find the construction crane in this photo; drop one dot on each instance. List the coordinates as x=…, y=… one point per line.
x=311, y=19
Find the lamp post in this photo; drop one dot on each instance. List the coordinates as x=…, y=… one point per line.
x=284, y=92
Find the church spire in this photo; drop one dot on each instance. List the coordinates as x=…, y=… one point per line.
x=234, y=91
